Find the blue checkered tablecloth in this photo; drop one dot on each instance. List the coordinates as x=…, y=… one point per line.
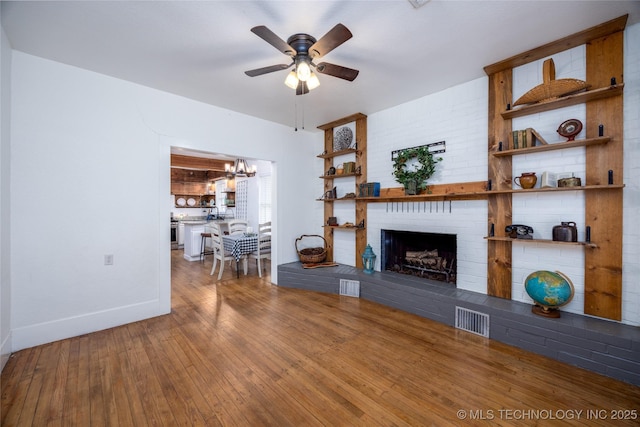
x=239, y=244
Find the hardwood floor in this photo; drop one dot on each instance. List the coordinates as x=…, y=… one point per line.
x=243, y=352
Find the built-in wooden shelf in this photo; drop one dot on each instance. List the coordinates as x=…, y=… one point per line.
x=475, y=190
x=565, y=101
x=555, y=146
x=342, y=175
x=337, y=153
x=337, y=199
x=547, y=241
x=359, y=154
x=345, y=227
x=556, y=189
x=476, y=195
x=603, y=204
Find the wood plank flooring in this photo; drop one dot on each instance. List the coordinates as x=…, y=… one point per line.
x=241, y=352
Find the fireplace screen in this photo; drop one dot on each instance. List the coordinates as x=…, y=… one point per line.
x=428, y=255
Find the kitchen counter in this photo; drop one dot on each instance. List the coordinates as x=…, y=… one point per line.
x=192, y=238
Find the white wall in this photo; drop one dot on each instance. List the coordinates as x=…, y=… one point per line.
x=5, y=217
x=459, y=116
x=90, y=176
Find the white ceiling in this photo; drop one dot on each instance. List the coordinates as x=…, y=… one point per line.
x=200, y=49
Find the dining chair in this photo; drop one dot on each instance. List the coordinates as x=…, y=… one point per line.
x=264, y=246
x=238, y=226
x=218, y=249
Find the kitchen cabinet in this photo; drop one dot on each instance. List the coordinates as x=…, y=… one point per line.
x=603, y=186
x=360, y=156
x=193, y=239
x=180, y=234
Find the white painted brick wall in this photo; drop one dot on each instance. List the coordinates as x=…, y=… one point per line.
x=631, y=205
x=459, y=116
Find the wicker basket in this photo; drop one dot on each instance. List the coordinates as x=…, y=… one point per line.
x=312, y=255
x=550, y=87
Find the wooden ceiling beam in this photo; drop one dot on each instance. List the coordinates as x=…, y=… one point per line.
x=201, y=163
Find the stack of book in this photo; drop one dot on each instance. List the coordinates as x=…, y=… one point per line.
x=369, y=189
x=525, y=138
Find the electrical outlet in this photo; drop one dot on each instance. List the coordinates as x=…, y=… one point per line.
x=108, y=260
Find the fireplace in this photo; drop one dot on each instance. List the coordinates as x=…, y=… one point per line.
x=428, y=255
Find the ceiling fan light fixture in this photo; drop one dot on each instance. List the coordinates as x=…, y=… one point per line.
x=303, y=50
x=291, y=80
x=313, y=81
x=303, y=70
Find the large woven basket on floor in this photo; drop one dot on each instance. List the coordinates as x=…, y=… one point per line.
x=312, y=255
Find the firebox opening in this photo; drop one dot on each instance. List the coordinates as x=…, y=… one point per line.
x=428, y=255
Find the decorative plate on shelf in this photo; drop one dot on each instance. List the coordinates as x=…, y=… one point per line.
x=191, y=201
x=181, y=202
x=342, y=139
x=570, y=128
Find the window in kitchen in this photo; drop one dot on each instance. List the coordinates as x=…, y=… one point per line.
x=265, y=198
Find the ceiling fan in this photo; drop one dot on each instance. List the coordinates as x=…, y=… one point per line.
x=303, y=49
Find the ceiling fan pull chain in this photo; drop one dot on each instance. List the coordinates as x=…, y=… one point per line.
x=295, y=113
x=302, y=113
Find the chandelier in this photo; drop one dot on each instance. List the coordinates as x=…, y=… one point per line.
x=239, y=168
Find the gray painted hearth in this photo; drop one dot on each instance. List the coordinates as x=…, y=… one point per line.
x=608, y=348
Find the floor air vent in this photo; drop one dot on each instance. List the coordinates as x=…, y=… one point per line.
x=472, y=321
x=350, y=288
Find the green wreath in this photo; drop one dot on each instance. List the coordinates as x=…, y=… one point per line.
x=420, y=174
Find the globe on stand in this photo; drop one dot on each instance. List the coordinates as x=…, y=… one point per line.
x=550, y=290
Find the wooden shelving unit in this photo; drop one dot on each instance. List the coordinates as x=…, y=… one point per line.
x=360, y=154
x=426, y=198
x=547, y=241
x=557, y=189
x=199, y=199
x=476, y=190
x=565, y=101
x=553, y=146
x=332, y=154
x=338, y=176
x=603, y=196
x=339, y=199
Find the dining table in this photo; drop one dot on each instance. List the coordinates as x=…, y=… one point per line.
x=240, y=245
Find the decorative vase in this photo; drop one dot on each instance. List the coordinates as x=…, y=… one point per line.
x=526, y=180
x=565, y=232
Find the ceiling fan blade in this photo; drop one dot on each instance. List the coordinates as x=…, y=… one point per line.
x=337, y=71
x=302, y=88
x=334, y=38
x=266, y=70
x=270, y=37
